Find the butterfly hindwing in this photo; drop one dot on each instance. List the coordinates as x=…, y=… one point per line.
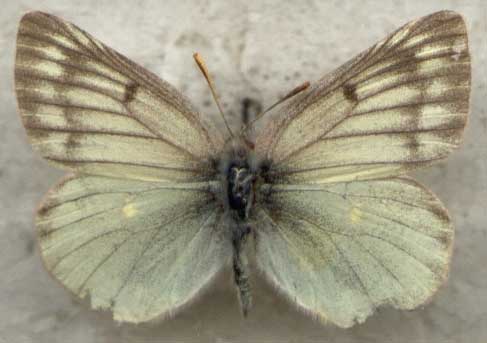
x=400, y=105
x=89, y=109
x=139, y=249
x=341, y=250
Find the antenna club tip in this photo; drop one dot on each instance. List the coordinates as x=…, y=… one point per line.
x=201, y=64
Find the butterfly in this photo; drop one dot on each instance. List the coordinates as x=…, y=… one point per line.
x=157, y=202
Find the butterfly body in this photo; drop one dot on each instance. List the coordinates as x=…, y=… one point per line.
x=238, y=186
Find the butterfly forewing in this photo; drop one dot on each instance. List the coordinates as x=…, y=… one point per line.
x=400, y=105
x=89, y=109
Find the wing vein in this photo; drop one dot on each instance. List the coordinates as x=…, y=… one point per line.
x=392, y=132
x=331, y=232
x=49, y=41
x=77, y=67
x=79, y=161
x=405, y=162
x=149, y=244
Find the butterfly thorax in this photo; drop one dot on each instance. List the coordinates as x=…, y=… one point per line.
x=239, y=189
x=238, y=179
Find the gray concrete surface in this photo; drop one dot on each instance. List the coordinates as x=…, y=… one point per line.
x=259, y=49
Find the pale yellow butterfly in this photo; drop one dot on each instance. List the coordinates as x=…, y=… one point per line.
x=159, y=203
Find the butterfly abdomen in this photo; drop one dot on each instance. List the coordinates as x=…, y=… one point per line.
x=241, y=271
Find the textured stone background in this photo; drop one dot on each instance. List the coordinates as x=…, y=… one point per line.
x=260, y=49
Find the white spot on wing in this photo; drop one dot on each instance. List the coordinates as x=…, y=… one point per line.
x=129, y=210
x=355, y=215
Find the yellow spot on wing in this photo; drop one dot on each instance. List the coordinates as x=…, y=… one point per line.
x=129, y=210
x=355, y=215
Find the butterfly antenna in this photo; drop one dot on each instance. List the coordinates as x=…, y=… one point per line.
x=289, y=95
x=201, y=64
